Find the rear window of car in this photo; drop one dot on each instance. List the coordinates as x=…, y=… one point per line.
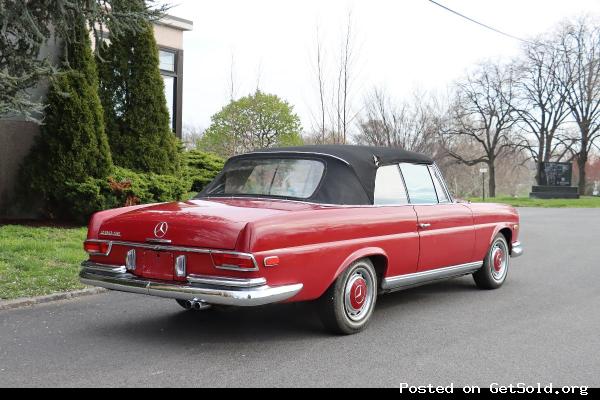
x=280, y=177
x=389, y=188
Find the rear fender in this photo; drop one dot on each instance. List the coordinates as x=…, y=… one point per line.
x=357, y=255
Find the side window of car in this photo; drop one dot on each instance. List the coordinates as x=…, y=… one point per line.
x=389, y=187
x=439, y=185
x=420, y=186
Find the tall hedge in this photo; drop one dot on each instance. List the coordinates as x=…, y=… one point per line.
x=132, y=94
x=72, y=145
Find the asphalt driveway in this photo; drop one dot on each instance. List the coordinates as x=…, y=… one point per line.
x=542, y=326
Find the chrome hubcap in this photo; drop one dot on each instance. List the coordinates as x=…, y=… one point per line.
x=499, y=260
x=358, y=294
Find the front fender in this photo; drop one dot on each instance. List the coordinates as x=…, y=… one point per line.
x=500, y=227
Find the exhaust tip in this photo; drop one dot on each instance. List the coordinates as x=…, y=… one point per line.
x=199, y=305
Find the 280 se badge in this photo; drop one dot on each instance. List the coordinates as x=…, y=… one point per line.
x=335, y=224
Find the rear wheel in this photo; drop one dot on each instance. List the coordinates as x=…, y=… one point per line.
x=495, y=266
x=348, y=304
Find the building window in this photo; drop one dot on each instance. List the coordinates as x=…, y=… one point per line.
x=170, y=64
x=166, y=60
x=170, y=90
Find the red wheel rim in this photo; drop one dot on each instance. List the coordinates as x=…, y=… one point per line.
x=358, y=293
x=498, y=259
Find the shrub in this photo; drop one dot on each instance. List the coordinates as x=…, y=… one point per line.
x=202, y=168
x=150, y=187
x=82, y=199
x=123, y=188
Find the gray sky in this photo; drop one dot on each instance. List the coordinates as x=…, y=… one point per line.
x=401, y=45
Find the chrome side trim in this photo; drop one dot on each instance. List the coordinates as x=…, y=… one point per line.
x=516, y=249
x=226, y=281
x=419, y=278
x=208, y=294
x=324, y=205
x=154, y=240
x=235, y=268
x=160, y=247
x=92, y=266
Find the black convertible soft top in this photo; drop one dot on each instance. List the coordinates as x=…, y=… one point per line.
x=350, y=170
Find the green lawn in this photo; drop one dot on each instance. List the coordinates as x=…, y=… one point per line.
x=583, y=202
x=39, y=260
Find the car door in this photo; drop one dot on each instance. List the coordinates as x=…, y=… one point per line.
x=446, y=233
x=402, y=245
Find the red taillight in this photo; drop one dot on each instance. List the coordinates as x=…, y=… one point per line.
x=97, y=247
x=233, y=261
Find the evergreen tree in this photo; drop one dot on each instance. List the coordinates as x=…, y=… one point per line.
x=72, y=145
x=132, y=94
x=26, y=26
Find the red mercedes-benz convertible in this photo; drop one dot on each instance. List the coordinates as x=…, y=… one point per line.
x=336, y=224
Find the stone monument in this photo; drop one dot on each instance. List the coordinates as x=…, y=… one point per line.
x=555, y=182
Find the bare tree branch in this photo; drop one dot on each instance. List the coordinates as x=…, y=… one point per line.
x=483, y=113
x=580, y=45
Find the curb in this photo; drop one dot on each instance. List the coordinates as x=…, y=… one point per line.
x=31, y=301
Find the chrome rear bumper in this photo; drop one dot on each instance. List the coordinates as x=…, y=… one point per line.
x=516, y=249
x=209, y=290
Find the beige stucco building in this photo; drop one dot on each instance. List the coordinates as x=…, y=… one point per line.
x=17, y=136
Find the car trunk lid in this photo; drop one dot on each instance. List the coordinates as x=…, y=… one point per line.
x=197, y=223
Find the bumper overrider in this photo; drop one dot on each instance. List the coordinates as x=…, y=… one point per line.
x=199, y=288
x=516, y=249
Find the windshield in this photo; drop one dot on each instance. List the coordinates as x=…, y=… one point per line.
x=269, y=177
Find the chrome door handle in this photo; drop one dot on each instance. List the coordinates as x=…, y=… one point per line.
x=423, y=226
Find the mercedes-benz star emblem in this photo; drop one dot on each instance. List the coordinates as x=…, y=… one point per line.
x=160, y=230
x=358, y=294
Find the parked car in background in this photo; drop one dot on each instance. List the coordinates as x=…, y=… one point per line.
x=333, y=224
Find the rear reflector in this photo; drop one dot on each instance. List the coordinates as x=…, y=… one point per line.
x=271, y=261
x=96, y=247
x=233, y=261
